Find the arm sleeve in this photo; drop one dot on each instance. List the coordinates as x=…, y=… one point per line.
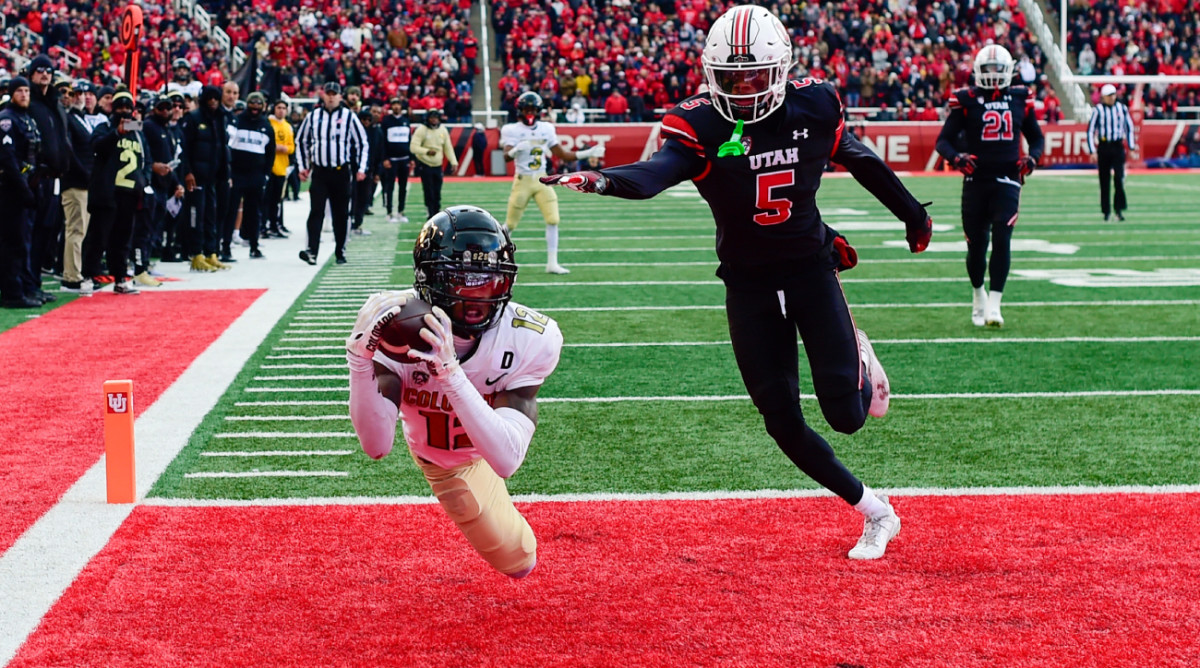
x=373, y=415
x=1033, y=133
x=303, y=142
x=501, y=435
x=448, y=149
x=671, y=164
x=1091, y=131
x=879, y=179
x=946, y=138
x=1129, y=130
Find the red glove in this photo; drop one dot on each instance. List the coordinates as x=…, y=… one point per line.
x=846, y=255
x=918, y=237
x=965, y=163
x=584, y=182
x=1025, y=167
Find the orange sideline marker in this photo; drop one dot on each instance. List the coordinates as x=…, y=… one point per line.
x=118, y=441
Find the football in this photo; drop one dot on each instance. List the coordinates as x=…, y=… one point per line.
x=403, y=332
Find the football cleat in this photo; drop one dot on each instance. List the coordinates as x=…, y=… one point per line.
x=147, y=280
x=125, y=288
x=877, y=533
x=978, y=306
x=880, y=388
x=556, y=268
x=994, y=319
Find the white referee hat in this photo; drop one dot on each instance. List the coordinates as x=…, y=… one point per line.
x=1108, y=89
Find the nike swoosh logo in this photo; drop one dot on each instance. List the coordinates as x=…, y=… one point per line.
x=492, y=381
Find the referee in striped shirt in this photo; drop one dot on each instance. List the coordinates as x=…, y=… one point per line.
x=1108, y=130
x=327, y=139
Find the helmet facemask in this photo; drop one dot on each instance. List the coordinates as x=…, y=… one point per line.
x=993, y=67
x=473, y=296
x=747, y=91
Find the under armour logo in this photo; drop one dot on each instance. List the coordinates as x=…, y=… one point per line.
x=118, y=402
x=798, y=134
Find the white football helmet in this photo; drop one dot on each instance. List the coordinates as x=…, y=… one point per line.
x=993, y=67
x=746, y=61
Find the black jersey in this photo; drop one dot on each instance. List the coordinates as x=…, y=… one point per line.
x=992, y=123
x=396, y=137
x=764, y=202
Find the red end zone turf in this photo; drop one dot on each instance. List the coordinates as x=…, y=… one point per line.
x=51, y=420
x=1111, y=580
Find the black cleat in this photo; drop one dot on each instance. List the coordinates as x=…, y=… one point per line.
x=311, y=259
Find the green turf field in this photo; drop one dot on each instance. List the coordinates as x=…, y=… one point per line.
x=1092, y=381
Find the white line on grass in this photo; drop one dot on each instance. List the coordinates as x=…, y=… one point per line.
x=286, y=418
x=305, y=366
x=720, y=495
x=330, y=376
x=288, y=434
x=1060, y=339
x=307, y=402
x=282, y=453
x=922, y=397
x=268, y=474
x=868, y=261
x=716, y=307
x=306, y=356
x=297, y=389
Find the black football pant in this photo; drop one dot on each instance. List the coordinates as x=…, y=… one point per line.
x=113, y=232
x=763, y=324
x=397, y=174
x=364, y=192
x=226, y=215
x=248, y=194
x=47, y=224
x=1110, y=157
x=16, y=236
x=332, y=186
x=273, y=203
x=431, y=184
x=198, y=229
x=989, y=209
x=145, y=228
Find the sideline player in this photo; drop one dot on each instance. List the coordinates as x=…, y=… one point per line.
x=778, y=260
x=526, y=144
x=469, y=407
x=992, y=116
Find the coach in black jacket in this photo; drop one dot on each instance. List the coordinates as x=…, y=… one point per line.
x=252, y=147
x=54, y=162
x=205, y=162
x=160, y=144
x=75, y=192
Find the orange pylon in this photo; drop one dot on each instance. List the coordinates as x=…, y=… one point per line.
x=118, y=441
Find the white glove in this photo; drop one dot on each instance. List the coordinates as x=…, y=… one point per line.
x=380, y=308
x=441, y=359
x=596, y=151
x=523, y=145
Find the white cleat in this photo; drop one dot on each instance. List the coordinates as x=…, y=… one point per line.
x=401, y=218
x=391, y=218
x=556, y=268
x=977, y=318
x=881, y=389
x=994, y=319
x=877, y=533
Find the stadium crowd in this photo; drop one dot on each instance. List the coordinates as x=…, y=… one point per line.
x=421, y=51
x=1140, y=38
x=636, y=58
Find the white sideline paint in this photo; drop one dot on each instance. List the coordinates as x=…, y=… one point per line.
x=45, y=560
x=309, y=402
x=740, y=397
x=731, y=495
x=285, y=418
x=289, y=434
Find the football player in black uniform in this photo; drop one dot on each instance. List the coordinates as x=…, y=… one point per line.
x=992, y=116
x=778, y=260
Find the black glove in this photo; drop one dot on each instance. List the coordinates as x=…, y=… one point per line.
x=1025, y=167
x=584, y=182
x=965, y=163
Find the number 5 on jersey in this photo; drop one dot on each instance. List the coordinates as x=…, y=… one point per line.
x=773, y=210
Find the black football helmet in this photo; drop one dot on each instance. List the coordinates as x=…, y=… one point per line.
x=463, y=263
x=529, y=107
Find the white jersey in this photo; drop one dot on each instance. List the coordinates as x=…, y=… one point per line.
x=191, y=88
x=520, y=350
x=532, y=158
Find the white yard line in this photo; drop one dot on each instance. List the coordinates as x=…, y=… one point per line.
x=281, y=453
x=730, y=495
x=742, y=397
x=269, y=474
x=286, y=418
x=288, y=434
x=1059, y=339
x=721, y=307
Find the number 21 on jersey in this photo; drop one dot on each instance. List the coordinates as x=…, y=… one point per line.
x=997, y=126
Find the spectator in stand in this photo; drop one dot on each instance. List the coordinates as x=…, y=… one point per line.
x=616, y=107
